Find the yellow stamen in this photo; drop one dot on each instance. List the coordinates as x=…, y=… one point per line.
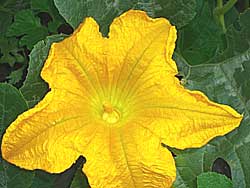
x=110, y=114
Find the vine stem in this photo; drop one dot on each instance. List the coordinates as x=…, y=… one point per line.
x=221, y=9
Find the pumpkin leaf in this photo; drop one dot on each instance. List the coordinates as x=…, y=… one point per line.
x=28, y=26
x=54, y=19
x=12, y=104
x=9, y=50
x=225, y=82
x=201, y=40
x=178, y=12
x=34, y=88
x=213, y=180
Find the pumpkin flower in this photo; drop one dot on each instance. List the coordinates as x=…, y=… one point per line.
x=115, y=100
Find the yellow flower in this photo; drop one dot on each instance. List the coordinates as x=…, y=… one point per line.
x=114, y=100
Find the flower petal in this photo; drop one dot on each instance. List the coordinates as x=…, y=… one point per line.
x=49, y=136
x=183, y=118
x=128, y=158
x=135, y=40
x=70, y=63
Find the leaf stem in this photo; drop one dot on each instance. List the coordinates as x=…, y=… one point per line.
x=226, y=7
x=221, y=9
x=221, y=16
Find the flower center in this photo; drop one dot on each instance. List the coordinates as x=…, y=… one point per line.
x=110, y=114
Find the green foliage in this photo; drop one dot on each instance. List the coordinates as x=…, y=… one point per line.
x=80, y=180
x=15, y=76
x=178, y=11
x=213, y=180
x=28, y=26
x=10, y=53
x=7, y=10
x=202, y=33
x=34, y=88
x=13, y=177
x=12, y=104
x=48, y=6
x=223, y=82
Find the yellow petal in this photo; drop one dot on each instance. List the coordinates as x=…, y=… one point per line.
x=133, y=158
x=135, y=42
x=48, y=136
x=181, y=118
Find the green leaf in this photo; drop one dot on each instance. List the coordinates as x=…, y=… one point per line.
x=231, y=17
x=42, y=179
x=34, y=88
x=104, y=11
x=9, y=51
x=238, y=37
x=225, y=81
x=49, y=7
x=15, y=76
x=13, y=177
x=65, y=179
x=7, y=11
x=213, y=180
x=189, y=166
x=12, y=104
x=180, y=13
x=28, y=26
x=201, y=40
x=5, y=20
x=80, y=180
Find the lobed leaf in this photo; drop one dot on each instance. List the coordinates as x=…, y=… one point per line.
x=226, y=82
x=28, y=26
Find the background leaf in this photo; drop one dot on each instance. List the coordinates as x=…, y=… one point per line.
x=80, y=180
x=201, y=40
x=34, y=88
x=49, y=15
x=65, y=179
x=7, y=10
x=29, y=27
x=104, y=11
x=12, y=104
x=213, y=180
x=223, y=82
x=10, y=53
